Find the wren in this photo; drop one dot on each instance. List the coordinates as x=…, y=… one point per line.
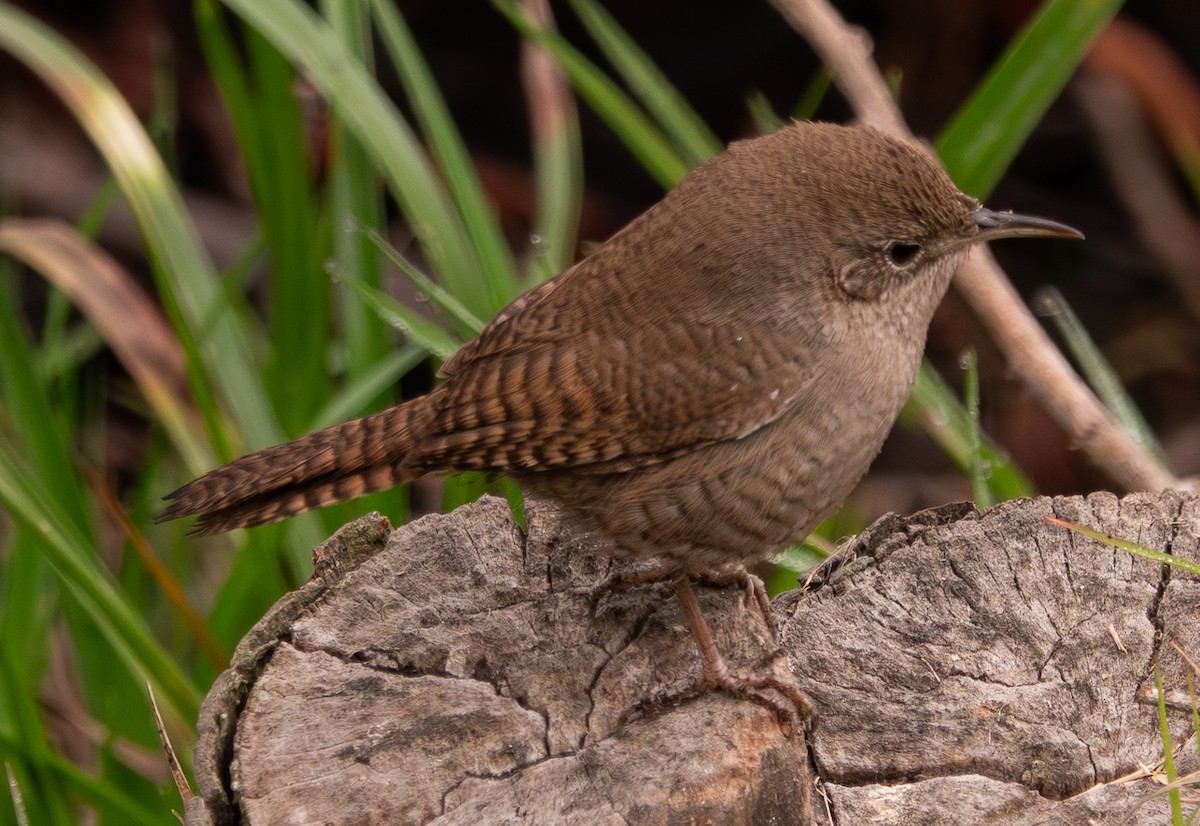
x=702, y=389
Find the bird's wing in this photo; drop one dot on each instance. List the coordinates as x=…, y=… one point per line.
x=605, y=398
x=499, y=335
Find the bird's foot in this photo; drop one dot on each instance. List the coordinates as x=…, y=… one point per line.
x=655, y=573
x=754, y=591
x=782, y=696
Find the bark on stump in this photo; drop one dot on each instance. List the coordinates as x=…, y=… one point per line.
x=967, y=669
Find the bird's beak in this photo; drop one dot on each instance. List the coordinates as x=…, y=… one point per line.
x=1010, y=225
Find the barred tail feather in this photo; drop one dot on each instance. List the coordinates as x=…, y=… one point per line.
x=274, y=505
x=332, y=465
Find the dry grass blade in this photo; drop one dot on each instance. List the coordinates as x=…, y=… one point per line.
x=125, y=316
x=181, y=782
x=14, y=791
x=1192, y=664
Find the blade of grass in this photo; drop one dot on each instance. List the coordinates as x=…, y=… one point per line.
x=27, y=603
x=69, y=552
x=1051, y=304
x=766, y=119
x=45, y=455
x=933, y=406
x=1164, y=729
x=168, y=750
x=986, y=133
x=258, y=92
x=43, y=426
x=454, y=161
x=421, y=330
x=444, y=299
x=297, y=241
x=695, y=142
x=978, y=468
x=15, y=795
x=362, y=105
x=370, y=384
x=184, y=274
x=557, y=154
x=799, y=559
x=72, y=781
x=814, y=94
x=129, y=320
x=1131, y=547
x=356, y=200
x=163, y=578
x=558, y=183
x=645, y=140
x=370, y=364
x=31, y=749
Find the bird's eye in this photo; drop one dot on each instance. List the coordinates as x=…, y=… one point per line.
x=902, y=254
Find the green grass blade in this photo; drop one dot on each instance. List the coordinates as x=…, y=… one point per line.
x=692, y=137
x=27, y=592
x=814, y=94
x=44, y=427
x=443, y=298
x=183, y=271
x=1164, y=729
x=933, y=406
x=1098, y=372
x=987, y=132
x=258, y=92
x=421, y=330
x=43, y=796
x=557, y=159
x=70, y=554
x=73, y=782
x=358, y=395
x=362, y=105
x=645, y=140
x=766, y=120
x=799, y=559
x=1151, y=554
x=113, y=302
x=558, y=182
x=453, y=159
x=356, y=200
x=978, y=468
x=297, y=242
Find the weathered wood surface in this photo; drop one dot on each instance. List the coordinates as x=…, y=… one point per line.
x=966, y=670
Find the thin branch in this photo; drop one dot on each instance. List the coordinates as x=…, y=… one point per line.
x=1031, y=355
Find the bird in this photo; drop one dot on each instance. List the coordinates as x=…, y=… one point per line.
x=699, y=391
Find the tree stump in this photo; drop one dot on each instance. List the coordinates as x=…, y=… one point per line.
x=967, y=668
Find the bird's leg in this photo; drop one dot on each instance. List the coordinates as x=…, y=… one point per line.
x=754, y=592
x=715, y=674
x=655, y=571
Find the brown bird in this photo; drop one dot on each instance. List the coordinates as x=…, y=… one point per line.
x=702, y=389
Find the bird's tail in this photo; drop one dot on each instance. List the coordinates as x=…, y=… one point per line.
x=332, y=465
